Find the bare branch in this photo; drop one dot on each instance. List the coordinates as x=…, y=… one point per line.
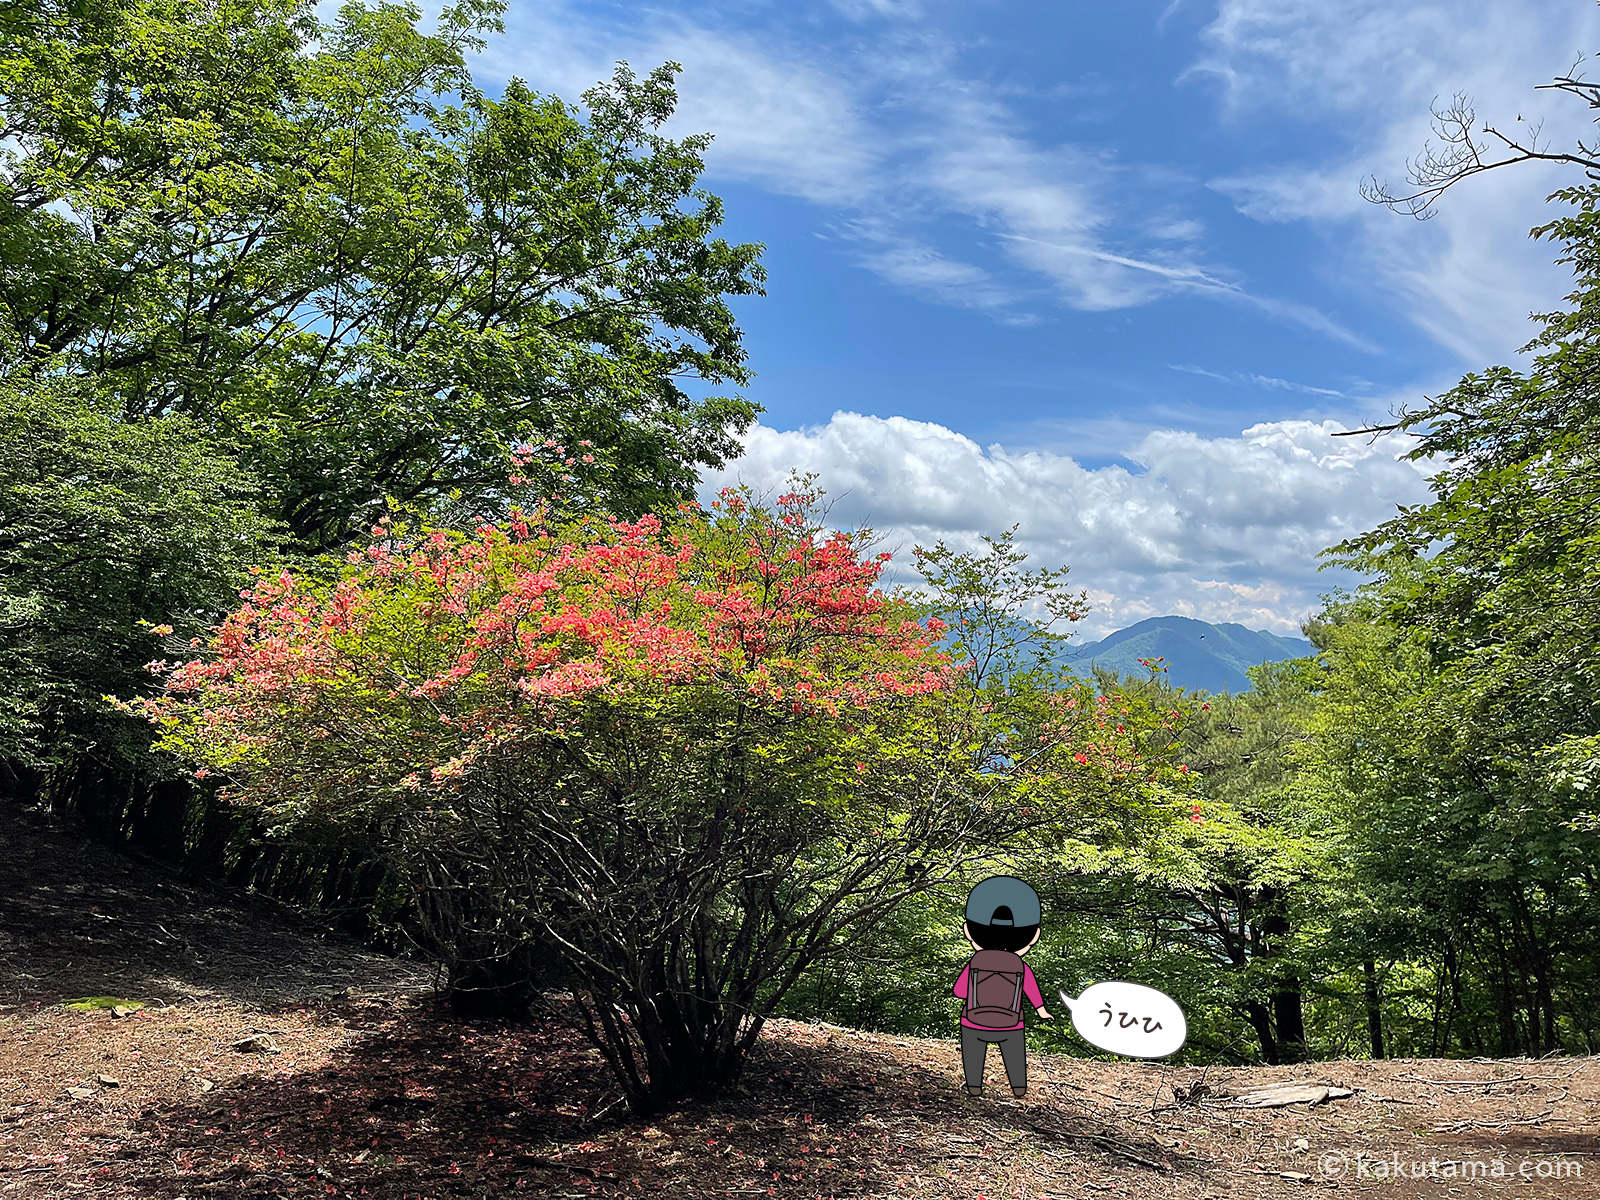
x=1462, y=153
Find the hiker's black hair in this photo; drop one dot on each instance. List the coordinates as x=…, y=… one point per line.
x=1001, y=937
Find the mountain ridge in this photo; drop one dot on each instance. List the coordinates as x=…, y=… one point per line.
x=1200, y=656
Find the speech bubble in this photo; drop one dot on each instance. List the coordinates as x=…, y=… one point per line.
x=1128, y=1019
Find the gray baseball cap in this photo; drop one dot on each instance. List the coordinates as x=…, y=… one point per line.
x=1007, y=891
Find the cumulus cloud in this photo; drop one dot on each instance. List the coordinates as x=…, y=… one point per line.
x=1224, y=529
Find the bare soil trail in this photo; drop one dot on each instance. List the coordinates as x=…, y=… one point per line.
x=272, y=1059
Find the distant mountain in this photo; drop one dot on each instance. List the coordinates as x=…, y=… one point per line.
x=1199, y=655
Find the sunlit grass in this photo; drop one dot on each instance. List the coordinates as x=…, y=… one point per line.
x=90, y=1003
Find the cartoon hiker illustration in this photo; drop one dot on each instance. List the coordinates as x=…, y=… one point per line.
x=1002, y=925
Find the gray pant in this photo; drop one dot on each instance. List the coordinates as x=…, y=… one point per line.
x=1013, y=1053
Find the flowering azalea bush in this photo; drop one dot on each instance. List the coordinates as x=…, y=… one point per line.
x=685, y=761
x=435, y=653
x=676, y=765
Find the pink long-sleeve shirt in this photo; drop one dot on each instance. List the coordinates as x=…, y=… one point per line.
x=1030, y=989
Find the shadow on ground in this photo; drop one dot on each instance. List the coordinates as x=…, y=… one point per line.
x=421, y=1107
x=80, y=919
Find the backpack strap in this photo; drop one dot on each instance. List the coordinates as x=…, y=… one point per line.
x=973, y=971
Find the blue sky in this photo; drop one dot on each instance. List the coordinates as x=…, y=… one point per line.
x=1100, y=269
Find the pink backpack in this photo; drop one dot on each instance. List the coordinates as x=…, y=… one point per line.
x=994, y=990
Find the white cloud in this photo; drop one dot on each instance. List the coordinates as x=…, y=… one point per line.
x=1363, y=75
x=1058, y=212
x=1266, y=381
x=922, y=269
x=1289, y=385
x=1048, y=208
x=1191, y=369
x=1225, y=529
x=862, y=10
x=893, y=141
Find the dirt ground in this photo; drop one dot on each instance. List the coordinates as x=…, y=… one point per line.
x=359, y=1086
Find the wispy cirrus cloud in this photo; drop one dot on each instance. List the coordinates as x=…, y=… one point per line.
x=893, y=143
x=922, y=269
x=1288, y=385
x=1360, y=77
x=1267, y=381
x=863, y=10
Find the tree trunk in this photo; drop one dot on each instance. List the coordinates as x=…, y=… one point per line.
x=1288, y=1014
x=1504, y=993
x=1444, y=1025
x=1374, y=1008
x=675, y=1042
x=1541, y=1005
x=266, y=868
x=1547, y=1001
x=1260, y=1018
x=335, y=878
x=496, y=988
x=361, y=920
x=244, y=869
x=309, y=876
x=94, y=795
x=219, y=826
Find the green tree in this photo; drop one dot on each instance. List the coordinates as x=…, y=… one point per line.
x=106, y=529
x=1003, y=617
x=1261, y=858
x=1494, y=587
x=1464, y=721
x=1463, y=855
x=279, y=228
x=1211, y=882
x=1082, y=764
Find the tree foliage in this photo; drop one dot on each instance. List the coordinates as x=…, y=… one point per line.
x=283, y=229
x=106, y=528
x=1466, y=723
